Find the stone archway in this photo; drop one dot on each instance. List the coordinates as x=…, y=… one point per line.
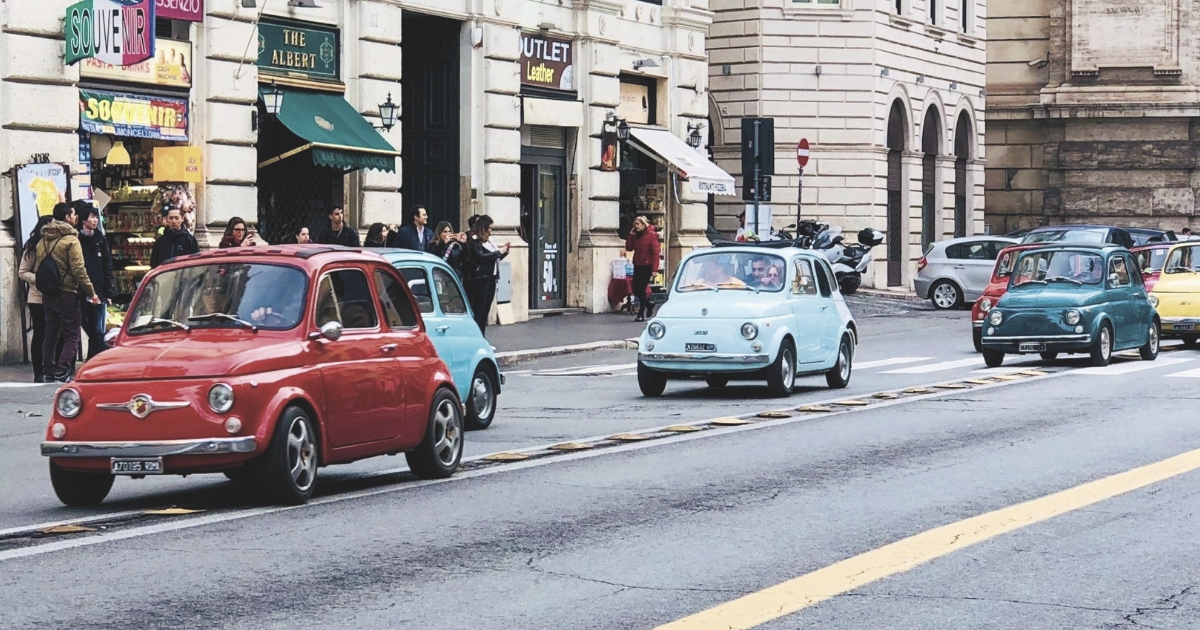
x=931, y=141
x=897, y=136
x=963, y=133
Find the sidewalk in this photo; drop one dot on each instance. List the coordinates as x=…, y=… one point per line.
x=562, y=334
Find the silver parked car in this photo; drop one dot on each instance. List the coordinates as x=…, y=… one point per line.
x=956, y=271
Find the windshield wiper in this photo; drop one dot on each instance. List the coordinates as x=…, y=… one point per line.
x=225, y=316
x=161, y=320
x=1064, y=279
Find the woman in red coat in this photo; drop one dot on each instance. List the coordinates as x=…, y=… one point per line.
x=643, y=242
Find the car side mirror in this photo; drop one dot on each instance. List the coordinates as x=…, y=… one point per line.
x=110, y=337
x=331, y=331
x=1113, y=279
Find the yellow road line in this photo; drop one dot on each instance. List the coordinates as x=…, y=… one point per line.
x=794, y=595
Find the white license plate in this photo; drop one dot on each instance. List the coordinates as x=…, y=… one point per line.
x=701, y=347
x=1032, y=347
x=137, y=466
x=1184, y=327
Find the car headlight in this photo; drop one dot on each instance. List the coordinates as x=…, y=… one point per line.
x=995, y=317
x=220, y=398
x=985, y=304
x=657, y=330
x=68, y=404
x=1072, y=317
x=749, y=330
x=1153, y=300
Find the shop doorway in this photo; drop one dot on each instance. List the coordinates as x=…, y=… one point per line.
x=544, y=221
x=897, y=132
x=294, y=192
x=429, y=118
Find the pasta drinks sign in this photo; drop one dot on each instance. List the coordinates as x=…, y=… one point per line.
x=547, y=63
x=117, y=32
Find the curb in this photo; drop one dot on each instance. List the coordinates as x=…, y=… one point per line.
x=895, y=295
x=506, y=359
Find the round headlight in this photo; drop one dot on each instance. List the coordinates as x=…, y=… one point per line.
x=1153, y=300
x=1072, y=317
x=657, y=330
x=985, y=304
x=995, y=317
x=749, y=330
x=68, y=404
x=220, y=398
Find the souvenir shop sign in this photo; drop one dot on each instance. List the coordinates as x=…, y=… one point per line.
x=309, y=52
x=170, y=66
x=133, y=115
x=547, y=62
x=178, y=164
x=119, y=32
x=186, y=10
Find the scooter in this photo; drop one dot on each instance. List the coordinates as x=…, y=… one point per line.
x=852, y=261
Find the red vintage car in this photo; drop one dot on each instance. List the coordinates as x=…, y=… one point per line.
x=995, y=290
x=1151, y=258
x=264, y=364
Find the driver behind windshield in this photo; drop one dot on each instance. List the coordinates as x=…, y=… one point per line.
x=758, y=269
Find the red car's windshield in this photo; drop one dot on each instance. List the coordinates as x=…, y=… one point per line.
x=224, y=295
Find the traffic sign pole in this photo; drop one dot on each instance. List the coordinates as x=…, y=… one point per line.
x=802, y=160
x=757, y=178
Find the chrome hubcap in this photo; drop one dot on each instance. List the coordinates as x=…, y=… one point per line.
x=481, y=396
x=789, y=371
x=945, y=295
x=447, y=433
x=302, y=454
x=844, y=363
x=1153, y=338
x=1105, y=344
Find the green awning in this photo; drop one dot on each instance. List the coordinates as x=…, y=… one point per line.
x=336, y=134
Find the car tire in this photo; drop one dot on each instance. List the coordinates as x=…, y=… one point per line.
x=79, y=489
x=993, y=358
x=287, y=472
x=977, y=338
x=1149, y=352
x=1101, y=353
x=849, y=285
x=241, y=474
x=945, y=295
x=481, y=400
x=1048, y=356
x=716, y=382
x=1189, y=341
x=781, y=376
x=839, y=375
x=651, y=382
x=440, y=451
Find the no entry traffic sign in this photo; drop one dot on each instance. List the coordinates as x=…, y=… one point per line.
x=802, y=152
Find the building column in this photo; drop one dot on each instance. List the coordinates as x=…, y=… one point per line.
x=911, y=162
x=377, y=77
x=599, y=64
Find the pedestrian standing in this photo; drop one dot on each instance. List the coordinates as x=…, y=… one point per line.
x=338, y=233
x=174, y=241
x=37, y=316
x=63, y=280
x=377, y=236
x=448, y=246
x=413, y=234
x=237, y=234
x=97, y=260
x=482, y=269
x=302, y=235
x=643, y=242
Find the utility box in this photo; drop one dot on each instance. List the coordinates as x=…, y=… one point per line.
x=504, y=285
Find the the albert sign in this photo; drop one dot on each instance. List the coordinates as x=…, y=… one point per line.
x=118, y=32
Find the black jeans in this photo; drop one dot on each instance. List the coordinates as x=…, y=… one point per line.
x=480, y=294
x=93, y=317
x=641, y=280
x=38, y=315
x=62, y=325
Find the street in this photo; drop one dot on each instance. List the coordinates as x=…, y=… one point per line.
x=701, y=503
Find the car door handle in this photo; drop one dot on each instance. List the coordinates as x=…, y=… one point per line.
x=824, y=306
x=391, y=347
x=960, y=266
x=442, y=329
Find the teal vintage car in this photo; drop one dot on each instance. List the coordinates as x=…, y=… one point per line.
x=749, y=312
x=1072, y=299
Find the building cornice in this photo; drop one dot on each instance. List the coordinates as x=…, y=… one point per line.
x=688, y=17
x=606, y=7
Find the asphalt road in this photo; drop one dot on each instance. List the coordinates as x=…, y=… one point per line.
x=650, y=532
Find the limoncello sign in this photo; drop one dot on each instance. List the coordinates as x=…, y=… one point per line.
x=118, y=32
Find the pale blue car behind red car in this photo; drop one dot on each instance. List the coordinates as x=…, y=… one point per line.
x=454, y=333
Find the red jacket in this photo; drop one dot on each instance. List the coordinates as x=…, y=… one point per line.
x=645, y=248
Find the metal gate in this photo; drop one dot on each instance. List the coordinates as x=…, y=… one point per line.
x=295, y=193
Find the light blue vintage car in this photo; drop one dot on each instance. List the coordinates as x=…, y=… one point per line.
x=750, y=312
x=454, y=333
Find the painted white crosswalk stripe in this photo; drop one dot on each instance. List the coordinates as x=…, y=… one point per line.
x=1128, y=367
x=936, y=367
x=585, y=371
x=866, y=365
x=1186, y=374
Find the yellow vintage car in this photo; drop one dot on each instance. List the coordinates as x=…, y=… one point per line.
x=1176, y=296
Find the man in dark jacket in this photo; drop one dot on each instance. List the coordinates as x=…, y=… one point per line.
x=97, y=259
x=60, y=242
x=415, y=234
x=338, y=233
x=174, y=241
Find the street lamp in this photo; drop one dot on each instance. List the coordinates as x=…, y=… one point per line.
x=694, y=140
x=387, y=114
x=272, y=99
x=623, y=131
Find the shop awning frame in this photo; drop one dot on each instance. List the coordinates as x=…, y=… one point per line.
x=667, y=149
x=335, y=134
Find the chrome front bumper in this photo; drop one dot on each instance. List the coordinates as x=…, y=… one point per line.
x=214, y=446
x=1039, y=338
x=705, y=357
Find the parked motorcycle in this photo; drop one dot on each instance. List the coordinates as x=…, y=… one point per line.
x=849, y=261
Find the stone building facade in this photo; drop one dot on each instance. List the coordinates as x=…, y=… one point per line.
x=503, y=105
x=1092, y=110
x=890, y=95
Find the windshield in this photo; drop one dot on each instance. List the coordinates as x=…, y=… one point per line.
x=226, y=295
x=1152, y=259
x=1183, y=260
x=1073, y=236
x=723, y=270
x=1040, y=267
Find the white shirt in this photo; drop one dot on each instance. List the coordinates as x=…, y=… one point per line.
x=491, y=247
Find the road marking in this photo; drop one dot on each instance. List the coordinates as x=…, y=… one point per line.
x=222, y=517
x=25, y=385
x=1185, y=374
x=936, y=367
x=1128, y=367
x=586, y=371
x=799, y=593
x=866, y=365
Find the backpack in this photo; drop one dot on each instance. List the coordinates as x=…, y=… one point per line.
x=48, y=277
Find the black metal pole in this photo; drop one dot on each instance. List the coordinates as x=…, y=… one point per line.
x=799, y=196
x=757, y=177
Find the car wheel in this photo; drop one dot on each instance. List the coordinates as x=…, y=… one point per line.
x=945, y=295
x=977, y=338
x=1149, y=352
x=716, y=382
x=651, y=382
x=781, y=377
x=839, y=375
x=1101, y=353
x=481, y=400
x=79, y=489
x=1048, y=356
x=849, y=284
x=993, y=358
x=1189, y=341
x=439, y=453
x=287, y=472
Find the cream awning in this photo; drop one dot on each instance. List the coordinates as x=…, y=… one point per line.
x=662, y=145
